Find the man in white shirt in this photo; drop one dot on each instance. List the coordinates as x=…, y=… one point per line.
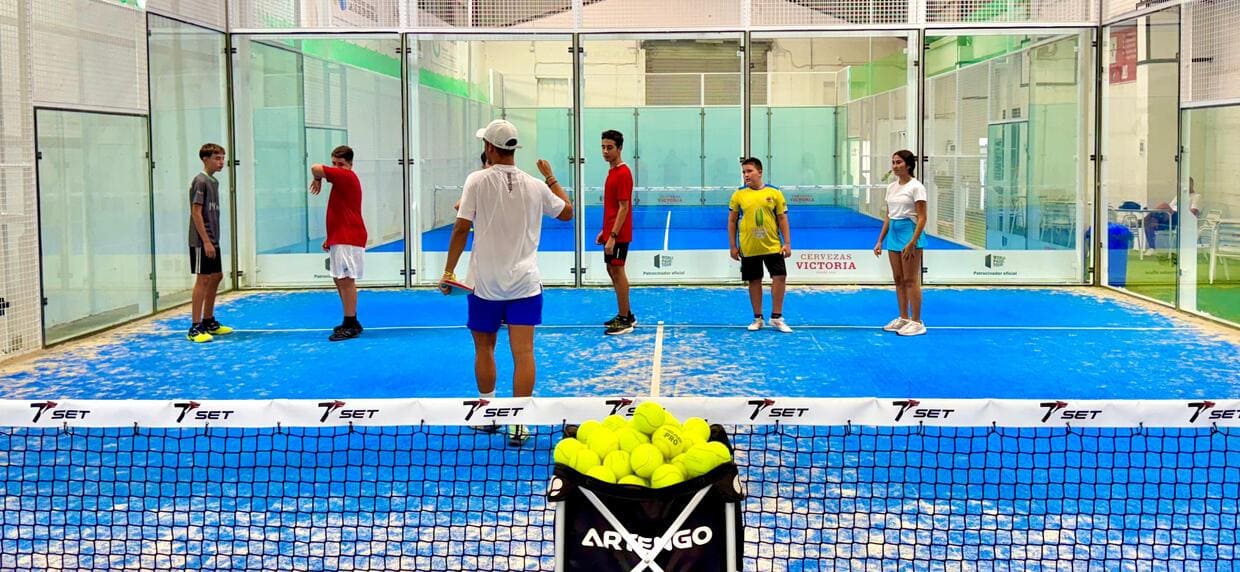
x=1166, y=216
x=505, y=206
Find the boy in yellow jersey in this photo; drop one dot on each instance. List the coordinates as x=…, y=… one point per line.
x=763, y=216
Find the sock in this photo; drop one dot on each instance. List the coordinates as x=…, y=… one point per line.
x=631, y=316
x=196, y=325
x=776, y=316
x=757, y=316
x=490, y=395
x=350, y=320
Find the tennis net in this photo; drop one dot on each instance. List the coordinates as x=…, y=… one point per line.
x=832, y=484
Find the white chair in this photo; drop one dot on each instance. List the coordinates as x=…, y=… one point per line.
x=1224, y=244
x=1133, y=222
x=1207, y=226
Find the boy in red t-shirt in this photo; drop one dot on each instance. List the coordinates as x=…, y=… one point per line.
x=617, y=230
x=346, y=234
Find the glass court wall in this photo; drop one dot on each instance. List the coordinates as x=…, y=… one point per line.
x=1004, y=116
x=1008, y=140
x=296, y=98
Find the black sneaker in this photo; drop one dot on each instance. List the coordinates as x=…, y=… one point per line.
x=345, y=332
x=632, y=319
x=623, y=326
x=215, y=328
x=492, y=428
x=197, y=335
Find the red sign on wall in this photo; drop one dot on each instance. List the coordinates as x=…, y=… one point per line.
x=1123, y=60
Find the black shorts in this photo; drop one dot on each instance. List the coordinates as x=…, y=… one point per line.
x=620, y=253
x=751, y=266
x=200, y=264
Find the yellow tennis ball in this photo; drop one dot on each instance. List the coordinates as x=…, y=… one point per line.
x=586, y=460
x=630, y=438
x=669, y=440
x=566, y=451
x=634, y=480
x=704, y=458
x=697, y=428
x=586, y=429
x=619, y=463
x=721, y=450
x=679, y=462
x=615, y=422
x=602, y=473
x=647, y=417
x=603, y=441
x=645, y=459
x=669, y=419
x=666, y=476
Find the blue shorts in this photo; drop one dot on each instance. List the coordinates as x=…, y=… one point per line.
x=900, y=232
x=485, y=315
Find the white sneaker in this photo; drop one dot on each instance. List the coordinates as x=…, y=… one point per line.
x=912, y=329
x=756, y=325
x=895, y=325
x=780, y=325
x=1150, y=252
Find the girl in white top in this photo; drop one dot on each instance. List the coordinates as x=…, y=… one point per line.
x=902, y=236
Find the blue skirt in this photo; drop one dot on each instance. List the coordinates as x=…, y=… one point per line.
x=900, y=232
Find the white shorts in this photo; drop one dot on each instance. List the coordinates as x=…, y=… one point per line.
x=346, y=261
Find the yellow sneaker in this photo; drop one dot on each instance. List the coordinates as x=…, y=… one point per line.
x=198, y=336
x=216, y=329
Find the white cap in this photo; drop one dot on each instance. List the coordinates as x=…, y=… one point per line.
x=500, y=133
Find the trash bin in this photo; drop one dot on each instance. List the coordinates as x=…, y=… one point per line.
x=693, y=526
x=1119, y=241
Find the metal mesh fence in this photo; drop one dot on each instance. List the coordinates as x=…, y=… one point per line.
x=20, y=330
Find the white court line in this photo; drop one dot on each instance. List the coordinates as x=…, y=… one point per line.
x=667, y=230
x=997, y=328
x=661, y=326
x=656, y=372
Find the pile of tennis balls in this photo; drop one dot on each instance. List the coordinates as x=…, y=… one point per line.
x=653, y=450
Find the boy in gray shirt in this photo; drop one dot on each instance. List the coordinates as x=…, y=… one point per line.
x=204, y=245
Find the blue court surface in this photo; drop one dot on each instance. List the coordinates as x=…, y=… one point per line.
x=681, y=228
x=1000, y=343
x=450, y=498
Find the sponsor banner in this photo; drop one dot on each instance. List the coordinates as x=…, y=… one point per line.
x=312, y=269
x=823, y=266
x=885, y=412
x=914, y=412
x=1070, y=412
x=212, y=413
x=476, y=411
x=838, y=265
x=668, y=266
x=72, y=413
x=1196, y=413
x=989, y=266
x=338, y=412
